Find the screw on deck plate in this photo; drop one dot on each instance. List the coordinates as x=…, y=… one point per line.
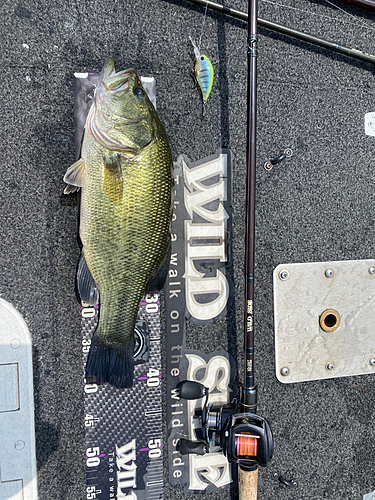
x=371, y=270
x=19, y=445
x=285, y=371
x=288, y=152
x=330, y=366
x=284, y=275
x=329, y=273
x=268, y=166
x=372, y=362
x=15, y=343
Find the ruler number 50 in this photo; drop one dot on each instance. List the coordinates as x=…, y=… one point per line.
x=155, y=448
x=92, y=457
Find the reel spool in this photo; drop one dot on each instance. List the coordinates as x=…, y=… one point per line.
x=245, y=438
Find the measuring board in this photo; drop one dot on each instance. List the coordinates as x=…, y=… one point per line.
x=199, y=290
x=123, y=427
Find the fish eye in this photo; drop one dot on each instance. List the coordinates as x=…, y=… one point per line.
x=139, y=92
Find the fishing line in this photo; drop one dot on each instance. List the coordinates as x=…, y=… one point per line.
x=197, y=48
x=204, y=20
x=359, y=23
x=299, y=35
x=362, y=23
x=246, y=445
x=203, y=70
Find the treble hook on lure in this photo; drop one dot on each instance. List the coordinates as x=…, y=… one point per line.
x=203, y=73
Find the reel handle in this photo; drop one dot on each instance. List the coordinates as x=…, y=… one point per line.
x=189, y=389
x=192, y=447
x=247, y=484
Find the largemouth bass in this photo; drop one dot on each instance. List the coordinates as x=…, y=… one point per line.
x=125, y=174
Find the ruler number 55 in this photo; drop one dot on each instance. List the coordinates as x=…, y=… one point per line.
x=91, y=492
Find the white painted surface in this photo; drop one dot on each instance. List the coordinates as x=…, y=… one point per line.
x=17, y=428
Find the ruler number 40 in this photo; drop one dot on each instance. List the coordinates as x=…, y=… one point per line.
x=153, y=377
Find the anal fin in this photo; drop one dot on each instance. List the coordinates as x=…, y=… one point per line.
x=86, y=285
x=159, y=278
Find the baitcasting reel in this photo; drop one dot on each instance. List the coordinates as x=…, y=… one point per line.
x=245, y=438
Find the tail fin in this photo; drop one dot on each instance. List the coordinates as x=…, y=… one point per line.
x=114, y=365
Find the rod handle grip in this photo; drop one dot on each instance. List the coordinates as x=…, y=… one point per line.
x=247, y=484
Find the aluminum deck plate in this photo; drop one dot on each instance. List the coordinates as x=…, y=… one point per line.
x=324, y=315
x=17, y=428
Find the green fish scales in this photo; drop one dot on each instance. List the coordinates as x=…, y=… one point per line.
x=125, y=173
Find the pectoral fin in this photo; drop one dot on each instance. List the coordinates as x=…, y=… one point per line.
x=86, y=285
x=113, y=178
x=75, y=176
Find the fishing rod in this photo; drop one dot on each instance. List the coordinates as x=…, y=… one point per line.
x=300, y=35
x=248, y=471
x=244, y=437
x=365, y=4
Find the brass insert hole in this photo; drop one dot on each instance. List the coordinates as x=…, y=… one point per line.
x=329, y=320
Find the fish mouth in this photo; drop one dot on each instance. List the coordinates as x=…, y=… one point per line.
x=103, y=119
x=116, y=82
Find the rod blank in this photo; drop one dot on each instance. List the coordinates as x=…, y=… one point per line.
x=248, y=396
x=365, y=4
x=279, y=28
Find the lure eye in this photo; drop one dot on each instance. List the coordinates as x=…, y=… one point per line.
x=202, y=58
x=138, y=92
